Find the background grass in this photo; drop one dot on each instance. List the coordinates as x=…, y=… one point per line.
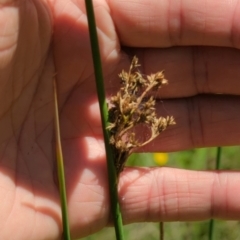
x=197, y=159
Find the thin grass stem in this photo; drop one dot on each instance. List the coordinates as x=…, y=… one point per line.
x=112, y=175
x=218, y=158
x=161, y=230
x=60, y=168
x=217, y=166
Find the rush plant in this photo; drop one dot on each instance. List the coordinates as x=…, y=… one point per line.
x=133, y=106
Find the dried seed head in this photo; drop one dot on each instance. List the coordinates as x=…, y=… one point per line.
x=130, y=107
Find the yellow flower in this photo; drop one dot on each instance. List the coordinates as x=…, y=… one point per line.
x=160, y=158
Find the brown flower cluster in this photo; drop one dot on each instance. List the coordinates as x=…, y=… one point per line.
x=131, y=107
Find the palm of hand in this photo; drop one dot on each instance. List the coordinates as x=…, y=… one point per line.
x=29, y=192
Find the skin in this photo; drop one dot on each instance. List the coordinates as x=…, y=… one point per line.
x=196, y=42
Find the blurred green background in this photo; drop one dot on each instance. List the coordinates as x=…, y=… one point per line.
x=197, y=159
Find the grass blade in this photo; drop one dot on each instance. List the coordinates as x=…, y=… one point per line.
x=161, y=231
x=218, y=158
x=60, y=168
x=112, y=176
x=217, y=166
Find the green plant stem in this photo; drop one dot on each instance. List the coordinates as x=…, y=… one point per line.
x=218, y=158
x=217, y=166
x=112, y=175
x=60, y=168
x=161, y=231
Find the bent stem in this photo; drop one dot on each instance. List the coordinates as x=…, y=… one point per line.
x=217, y=166
x=60, y=168
x=112, y=176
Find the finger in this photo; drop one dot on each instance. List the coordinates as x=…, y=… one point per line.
x=193, y=70
x=164, y=194
x=202, y=121
x=189, y=70
x=166, y=23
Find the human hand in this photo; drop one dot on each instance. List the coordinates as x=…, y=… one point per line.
x=163, y=35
